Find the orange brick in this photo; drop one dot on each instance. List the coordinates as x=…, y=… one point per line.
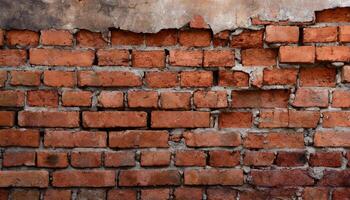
x=111, y=99
x=25, y=78
x=11, y=98
x=161, y=79
x=288, y=34
x=7, y=118
x=260, y=98
x=341, y=99
x=212, y=139
x=221, y=58
x=280, y=76
x=248, y=39
x=333, y=53
x=309, y=97
x=22, y=38
x=56, y=37
x=42, y=98
x=190, y=158
x=165, y=37
x=52, y=159
x=322, y=34
x=87, y=38
x=59, y=78
x=259, y=57
x=317, y=77
x=142, y=99
x=108, y=79
x=112, y=57
x=344, y=33
x=186, y=58
x=210, y=99
x=235, y=120
x=12, y=57
x=195, y=38
x=148, y=59
x=175, y=100
x=121, y=37
x=76, y=98
x=297, y=54
x=233, y=79
x=196, y=79
x=155, y=158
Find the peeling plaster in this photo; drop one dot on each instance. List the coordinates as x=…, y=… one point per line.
x=153, y=15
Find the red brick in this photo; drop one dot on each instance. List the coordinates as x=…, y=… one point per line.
x=340, y=194
x=18, y=158
x=60, y=57
x=42, y=98
x=56, y=37
x=12, y=57
x=317, y=77
x=344, y=33
x=76, y=98
x=87, y=38
x=258, y=158
x=186, y=58
x=260, y=98
x=297, y=54
x=119, y=159
x=218, y=58
x=233, y=79
x=332, y=139
x=333, y=53
x=280, y=76
x=210, y=99
x=4, y=194
x=148, y=59
x=155, y=158
x=25, y=78
x=309, y=97
x=196, y=78
x=326, y=159
x=198, y=22
x=213, y=177
x=341, y=99
x=195, y=38
x=235, y=119
x=291, y=159
x=271, y=193
x=345, y=76
x=259, y=57
x=278, y=178
x=180, y=119
x=221, y=39
x=59, y=78
x=303, y=118
x=84, y=159
x=121, y=37
x=175, y=100
x=19, y=138
x=161, y=79
x=142, y=99
x=7, y=118
x=25, y=194
x=28, y=178
x=138, y=139
x=2, y=35
x=111, y=99
x=68, y=139
x=110, y=119
x=12, y=98
x=274, y=118
x=333, y=15
x=221, y=193
x=48, y=119
x=248, y=39
x=22, y=38
x=151, y=177
x=112, y=57
x=165, y=37
x=188, y=193
x=3, y=78
x=83, y=178
x=335, y=178
x=155, y=194
x=288, y=34
x=52, y=159
x=274, y=140
x=108, y=79
x=336, y=119
x=122, y=194
x=54, y=194
x=321, y=34
x=224, y=158
x=190, y=158
x=212, y=139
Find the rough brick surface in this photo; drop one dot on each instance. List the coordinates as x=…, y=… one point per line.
x=179, y=114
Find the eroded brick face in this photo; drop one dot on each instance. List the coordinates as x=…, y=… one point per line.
x=179, y=114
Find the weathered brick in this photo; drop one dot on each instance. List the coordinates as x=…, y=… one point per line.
x=155, y=194
x=110, y=119
x=19, y=194
x=186, y=58
x=341, y=99
x=52, y=159
x=235, y=119
x=287, y=34
x=332, y=139
x=213, y=177
x=336, y=119
x=258, y=158
x=335, y=178
x=121, y=37
x=278, y=178
x=274, y=118
x=165, y=37
x=18, y=158
x=161, y=79
x=148, y=59
x=291, y=159
x=155, y=158
x=69, y=139
x=85, y=159
x=210, y=99
x=149, y=177
x=195, y=38
x=224, y=158
x=56, y=37
x=27, y=178
x=190, y=158
x=260, y=98
x=25, y=78
x=345, y=76
x=259, y=57
x=333, y=15
x=180, y=119
x=198, y=22
x=83, y=178
x=321, y=34
x=297, y=54
x=309, y=97
x=108, y=79
x=54, y=194
x=344, y=33
x=59, y=78
x=303, y=118
x=142, y=99
x=7, y=118
x=140, y=139
x=19, y=138
x=196, y=79
x=12, y=57
x=2, y=35
x=3, y=78
x=112, y=57
x=280, y=76
x=175, y=100
x=11, y=98
x=317, y=77
x=248, y=39
x=233, y=79
x=119, y=159
x=42, y=98
x=87, y=38
x=76, y=98
x=48, y=119
x=339, y=194
x=111, y=99
x=326, y=159
x=122, y=194
x=212, y=139
x=85, y=194
x=219, y=58
x=221, y=193
x=333, y=53
x=188, y=193
x=22, y=38
x=274, y=140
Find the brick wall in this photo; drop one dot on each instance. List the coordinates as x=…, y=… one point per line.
x=180, y=114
